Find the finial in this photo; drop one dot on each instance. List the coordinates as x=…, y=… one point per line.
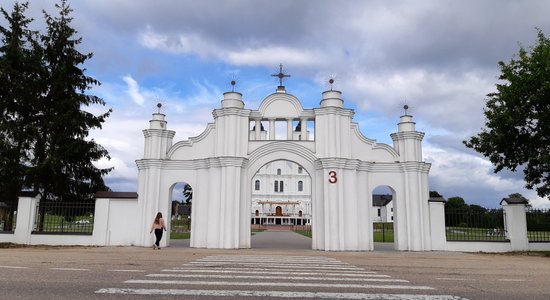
x=281, y=75
x=233, y=83
x=159, y=105
x=331, y=81
x=405, y=107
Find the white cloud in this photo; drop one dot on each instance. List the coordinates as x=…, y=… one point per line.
x=250, y=53
x=133, y=90
x=273, y=55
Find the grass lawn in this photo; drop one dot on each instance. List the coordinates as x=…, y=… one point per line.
x=304, y=233
x=180, y=235
x=385, y=237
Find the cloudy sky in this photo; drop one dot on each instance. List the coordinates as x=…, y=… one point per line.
x=439, y=57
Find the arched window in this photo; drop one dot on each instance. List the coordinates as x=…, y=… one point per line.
x=257, y=213
x=300, y=186
x=300, y=170
x=276, y=186
x=257, y=185
x=278, y=171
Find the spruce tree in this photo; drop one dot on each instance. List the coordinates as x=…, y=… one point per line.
x=63, y=157
x=20, y=64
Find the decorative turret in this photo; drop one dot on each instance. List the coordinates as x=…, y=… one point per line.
x=406, y=124
x=158, y=121
x=332, y=98
x=157, y=138
x=407, y=141
x=232, y=99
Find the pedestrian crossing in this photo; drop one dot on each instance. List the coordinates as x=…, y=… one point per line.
x=257, y=276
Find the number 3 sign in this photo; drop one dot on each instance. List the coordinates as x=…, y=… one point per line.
x=332, y=177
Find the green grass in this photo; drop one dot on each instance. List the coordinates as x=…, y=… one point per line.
x=304, y=233
x=57, y=223
x=180, y=235
x=386, y=237
x=473, y=234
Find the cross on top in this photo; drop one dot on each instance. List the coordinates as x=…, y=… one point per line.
x=281, y=75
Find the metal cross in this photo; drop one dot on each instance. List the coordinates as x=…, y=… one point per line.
x=281, y=75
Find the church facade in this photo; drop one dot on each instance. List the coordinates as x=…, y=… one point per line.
x=281, y=195
x=343, y=167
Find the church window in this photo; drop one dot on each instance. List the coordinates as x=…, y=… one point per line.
x=300, y=170
x=300, y=186
x=281, y=186
x=257, y=185
x=278, y=171
x=379, y=212
x=276, y=186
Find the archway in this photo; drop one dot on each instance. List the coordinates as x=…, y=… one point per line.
x=383, y=216
x=179, y=222
x=281, y=198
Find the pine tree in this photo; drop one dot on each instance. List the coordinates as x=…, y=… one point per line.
x=63, y=156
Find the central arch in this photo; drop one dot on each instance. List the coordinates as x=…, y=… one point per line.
x=283, y=150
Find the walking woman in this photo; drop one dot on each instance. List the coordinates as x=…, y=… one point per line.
x=158, y=226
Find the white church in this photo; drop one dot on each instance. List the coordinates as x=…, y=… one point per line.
x=233, y=167
x=281, y=195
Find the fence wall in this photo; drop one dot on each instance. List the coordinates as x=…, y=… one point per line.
x=114, y=224
x=515, y=237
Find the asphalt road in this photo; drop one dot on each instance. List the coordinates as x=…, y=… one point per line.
x=280, y=266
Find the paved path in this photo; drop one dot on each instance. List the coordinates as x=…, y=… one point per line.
x=273, y=239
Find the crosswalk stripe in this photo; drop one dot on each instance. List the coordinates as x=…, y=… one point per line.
x=283, y=284
x=287, y=272
x=269, y=257
x=301, y=261
x=13, y=267
x=277, y=277
x=287, y=269
x=274, y=294
x=301, y=266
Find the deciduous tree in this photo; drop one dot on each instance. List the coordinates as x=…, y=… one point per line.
x=517, y=135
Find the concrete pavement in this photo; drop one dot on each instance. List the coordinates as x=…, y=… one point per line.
x=273, y=268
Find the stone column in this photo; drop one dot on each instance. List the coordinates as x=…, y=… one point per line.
x=272, y=129
x=289, y=129
x=437, y=223
x=303, y=128
x=515, y=221
x=258, y=130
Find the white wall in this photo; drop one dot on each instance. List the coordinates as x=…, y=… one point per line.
x=114, y=225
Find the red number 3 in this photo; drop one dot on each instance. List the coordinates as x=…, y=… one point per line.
x=332, y=177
